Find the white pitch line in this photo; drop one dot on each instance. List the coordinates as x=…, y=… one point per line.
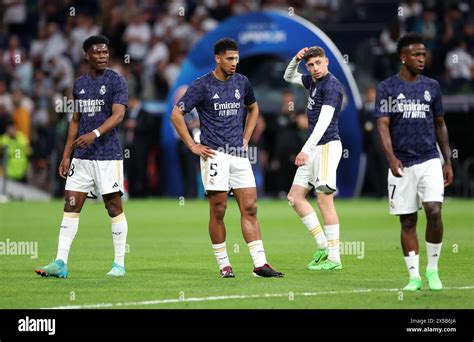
x=230, y=297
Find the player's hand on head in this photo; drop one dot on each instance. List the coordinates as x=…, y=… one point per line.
x=64, y=167
x=202, y=151
x=300, y=54
x=301, y=159
x=84, y=140
x=448, y=174
x=396, y=167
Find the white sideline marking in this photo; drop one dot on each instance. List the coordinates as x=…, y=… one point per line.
x=211, y=298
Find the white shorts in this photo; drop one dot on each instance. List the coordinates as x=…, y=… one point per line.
x=224, y=172
x=420, y=183
x=320, y=171
x=95, y=177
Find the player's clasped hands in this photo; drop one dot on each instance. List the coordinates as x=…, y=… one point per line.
x=301, y=159
x=202, y=151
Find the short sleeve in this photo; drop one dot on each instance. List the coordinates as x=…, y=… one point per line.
x=120, y=92
x=332, y=95
x=306, y=79
x=192, y=98
x=438, y=109
x=249, y=95
x=381, y=102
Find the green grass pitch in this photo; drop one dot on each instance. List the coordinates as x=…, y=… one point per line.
x=170, y=263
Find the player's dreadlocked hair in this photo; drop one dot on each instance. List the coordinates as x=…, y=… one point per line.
x=408, y=39
x=314, y=51
x=92, y=40
x=225, y=44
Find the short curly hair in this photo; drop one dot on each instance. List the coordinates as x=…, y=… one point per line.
x=92, y=40
x=408, y=39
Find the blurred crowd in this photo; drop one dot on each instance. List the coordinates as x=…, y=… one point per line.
x=448, y=32
x=41, y=56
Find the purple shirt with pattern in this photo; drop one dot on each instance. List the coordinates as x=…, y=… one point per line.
x=412, y=107
x=326, y=91
x=96, y=97
x=221, y=108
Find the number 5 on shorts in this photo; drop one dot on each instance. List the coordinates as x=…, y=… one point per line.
x=213, y=168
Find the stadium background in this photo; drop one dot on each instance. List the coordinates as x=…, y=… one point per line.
x=41, y=56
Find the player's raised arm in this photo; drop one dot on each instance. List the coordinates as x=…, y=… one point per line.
x=291, y=74
x=72, y=131
x=177, y=119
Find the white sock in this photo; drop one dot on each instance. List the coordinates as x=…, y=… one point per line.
x=220, y=251
x=433, y=250
x=67, y=232
x=311, y=222
x=413, y=261
x=332, y=233
x=119, y=236
x=257, y=252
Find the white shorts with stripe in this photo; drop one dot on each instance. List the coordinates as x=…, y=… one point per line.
x=95, y=177
x=320, y=170
x=420, y=183
x=224, y=172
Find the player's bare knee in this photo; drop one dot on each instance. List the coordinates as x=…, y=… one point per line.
x=295, y=199
x=218, y=210
x=324, y=203
x=433, y=211
x=408, y=222
x=113, y=209
x=250, y=210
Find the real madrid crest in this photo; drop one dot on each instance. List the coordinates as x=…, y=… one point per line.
x=102, y=90
x=237, y=94
x=427, y=96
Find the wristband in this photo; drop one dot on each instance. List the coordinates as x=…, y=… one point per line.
x=96, y=132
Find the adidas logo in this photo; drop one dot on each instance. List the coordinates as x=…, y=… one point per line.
x=115, y=185
x=412, y=268
x=82, y=91
x=400, y=96
x=435, y=255
x=216, y=96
